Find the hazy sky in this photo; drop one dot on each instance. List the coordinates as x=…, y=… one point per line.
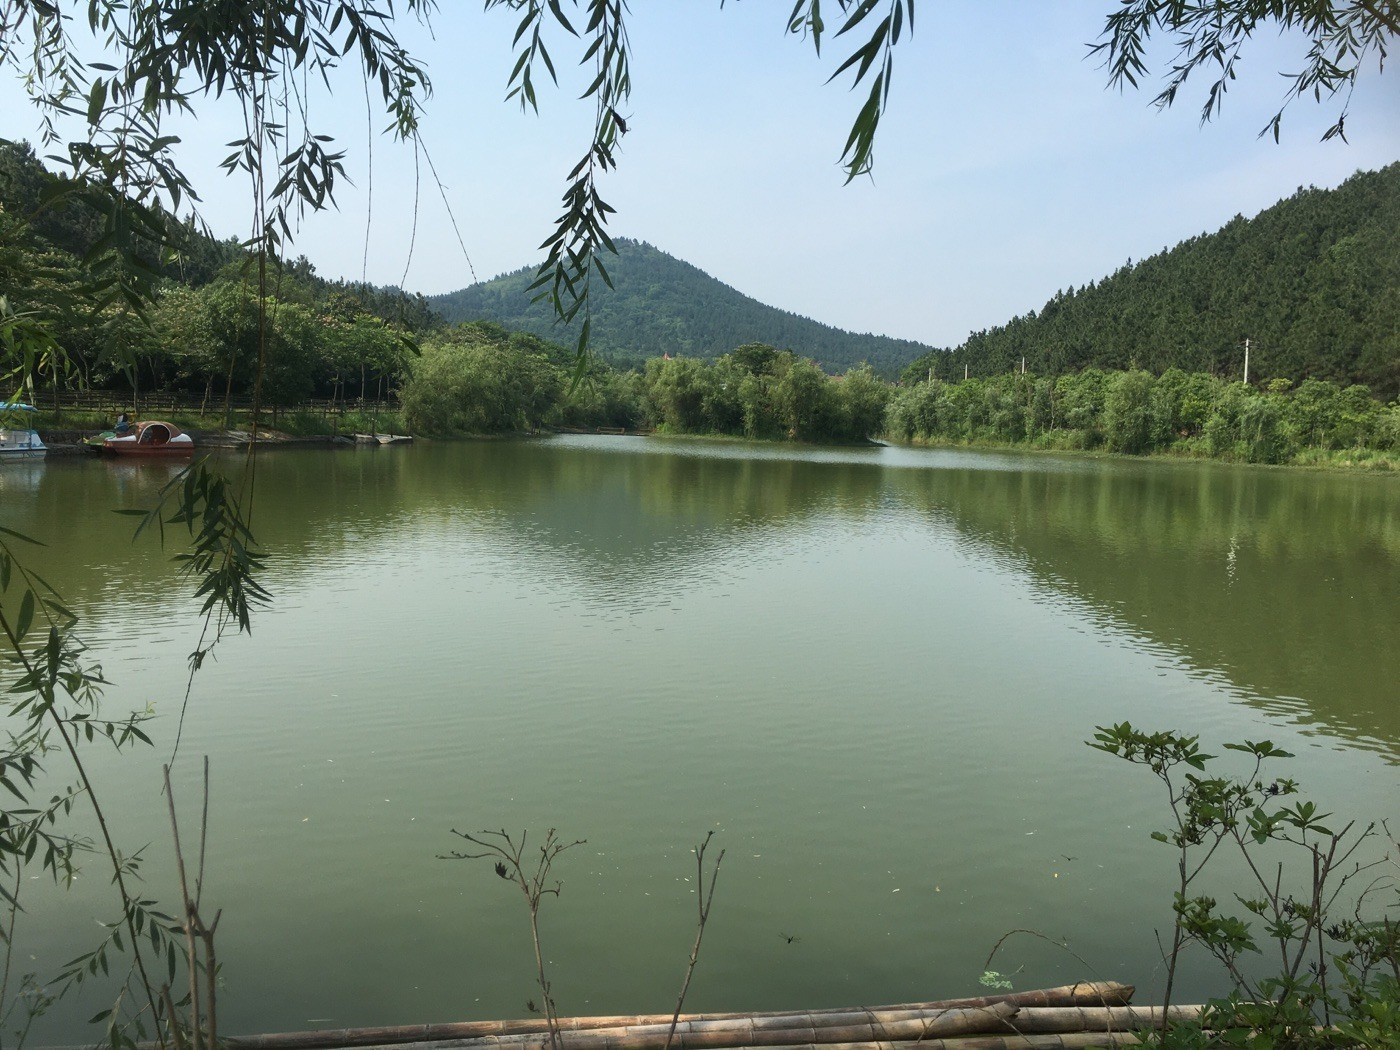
x=1005, y=169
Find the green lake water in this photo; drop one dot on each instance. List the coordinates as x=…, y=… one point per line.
x=870, y=672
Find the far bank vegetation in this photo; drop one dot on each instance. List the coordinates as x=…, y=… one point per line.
x=1150, y=360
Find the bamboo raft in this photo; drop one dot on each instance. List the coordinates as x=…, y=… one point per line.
x=1088, y=1014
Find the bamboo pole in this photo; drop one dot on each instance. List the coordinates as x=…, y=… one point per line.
x=1063, y=1019
x=1067, y=1041
x=958, y=1022
x=999, y=1019
x=1088, y=993
x=976, y=1041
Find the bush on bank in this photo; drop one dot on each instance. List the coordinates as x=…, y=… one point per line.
x=1136, y=413
x=757, y=391
x=480, y=379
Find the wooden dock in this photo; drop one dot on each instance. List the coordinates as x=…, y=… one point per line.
x=1089, y=1014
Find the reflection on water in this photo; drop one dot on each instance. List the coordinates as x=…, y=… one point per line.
x=1269, y=580
x=870, y=670
x=1279, y=583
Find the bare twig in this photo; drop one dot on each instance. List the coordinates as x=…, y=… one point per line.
x=187, y=906
x=199, y=939
x=702, y=900
x=211, y=975
x=176, y=1036
x=510, y=865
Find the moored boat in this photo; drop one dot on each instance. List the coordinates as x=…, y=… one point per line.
x=150, y=438
x=18, y=442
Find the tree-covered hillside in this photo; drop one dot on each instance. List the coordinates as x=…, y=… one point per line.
x=1313, y=283
x=661, y=305
x=50, y=225
x=197, y=328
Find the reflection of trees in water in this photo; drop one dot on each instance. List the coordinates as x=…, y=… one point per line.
x=623, y=525
x=1280, y=582
x=646, y=515
x=1283, y=583
x=69, y=505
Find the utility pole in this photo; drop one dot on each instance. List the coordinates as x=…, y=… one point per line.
x=1246, y=361
x=964, y=371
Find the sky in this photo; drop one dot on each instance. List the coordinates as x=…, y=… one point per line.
x=1005, y=168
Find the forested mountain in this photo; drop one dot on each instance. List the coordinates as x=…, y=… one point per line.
x=1313, y=283
x=661, y=305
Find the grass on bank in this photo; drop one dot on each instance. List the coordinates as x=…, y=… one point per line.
x=1195, y=448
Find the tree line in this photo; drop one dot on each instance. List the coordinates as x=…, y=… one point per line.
x=480, y=378
x=1135, y=412
x=199, y=331
x=199, y=335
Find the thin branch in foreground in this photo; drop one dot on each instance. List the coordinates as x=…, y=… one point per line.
x=703, y=899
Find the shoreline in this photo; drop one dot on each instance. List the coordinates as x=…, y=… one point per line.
x=73, y=443
x=1383, y=465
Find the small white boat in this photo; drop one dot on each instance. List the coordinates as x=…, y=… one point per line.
x=17, y=441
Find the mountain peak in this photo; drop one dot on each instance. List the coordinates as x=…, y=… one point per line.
x=663, y=305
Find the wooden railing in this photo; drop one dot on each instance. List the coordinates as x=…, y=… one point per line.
x=110, y=403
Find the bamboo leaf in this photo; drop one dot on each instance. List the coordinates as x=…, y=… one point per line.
x=97, y=100
x=20, y=536
x=26, y=615
x=857, y=16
